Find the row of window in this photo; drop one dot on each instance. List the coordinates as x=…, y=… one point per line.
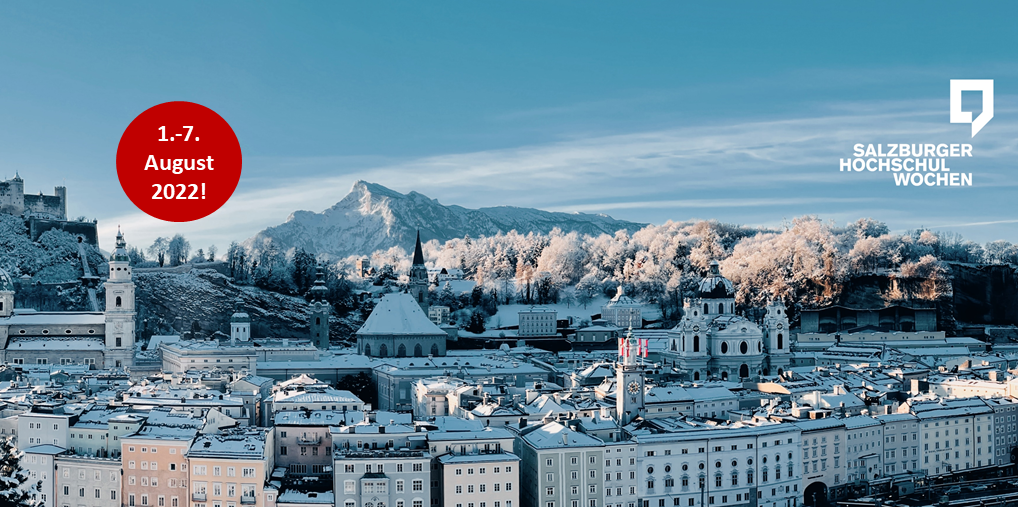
x=482, y=470
x=98, y=493
x=482, y=488
x=350, y=486
x=380, y=468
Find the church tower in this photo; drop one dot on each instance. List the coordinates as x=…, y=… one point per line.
x=775, y=324
x=319, y=311
x=120, y=309
x=418, y=285
x=240, y=325
x=629, y=382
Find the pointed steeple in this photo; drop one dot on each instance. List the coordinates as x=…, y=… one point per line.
x=319, y=290
x=418, y=252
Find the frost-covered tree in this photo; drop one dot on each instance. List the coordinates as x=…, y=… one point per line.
x=158, y=250
x=136, y=255
x=212, y=253
x=15, y=490
x=177, y=250
x=1001, y=252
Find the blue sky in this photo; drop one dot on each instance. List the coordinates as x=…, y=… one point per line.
x=647, y=112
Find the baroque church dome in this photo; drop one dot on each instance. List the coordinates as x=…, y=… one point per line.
x=715, y=286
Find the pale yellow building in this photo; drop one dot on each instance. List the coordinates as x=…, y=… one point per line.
x=232, y=469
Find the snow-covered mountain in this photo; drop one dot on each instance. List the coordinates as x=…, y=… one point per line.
x=372, y=217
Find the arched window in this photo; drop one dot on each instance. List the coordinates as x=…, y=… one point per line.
x=744, y=371
x=418, y=350
x=401, y=351
x=118, y=301
x=721, y=308
x=318, y=321
x=696, y=375
x=724, y=375
x=434, y=349
x=420, y=296
x=706, y=309
x=781, y=341
x=367, y=349
x=383, y=351
x=696, y=343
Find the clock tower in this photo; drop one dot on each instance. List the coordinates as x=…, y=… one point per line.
x=629, y=381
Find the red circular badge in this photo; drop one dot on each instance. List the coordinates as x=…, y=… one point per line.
x=179, y=161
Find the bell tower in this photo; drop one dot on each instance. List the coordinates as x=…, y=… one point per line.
x=775, y=324
x=319, y=311
x=120, y=310
x=629, y=381
x=418, y=286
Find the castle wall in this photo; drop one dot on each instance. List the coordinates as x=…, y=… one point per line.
x=88, y=231
x=46, y=206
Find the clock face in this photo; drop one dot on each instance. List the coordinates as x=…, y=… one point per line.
x=696, y=328
x=780, y=325
x=634, y=387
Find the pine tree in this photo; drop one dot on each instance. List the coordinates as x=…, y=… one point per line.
x=13, y=492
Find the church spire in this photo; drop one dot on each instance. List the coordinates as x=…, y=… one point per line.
x=418, y=252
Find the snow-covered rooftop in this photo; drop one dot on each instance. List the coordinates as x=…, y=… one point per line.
x=24, y=317
x=399, y=314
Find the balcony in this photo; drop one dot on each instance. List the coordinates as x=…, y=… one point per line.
x=198, y=497
x=309, y=440
x=247, y=500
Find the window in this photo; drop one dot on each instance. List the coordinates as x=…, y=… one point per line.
x=418, y=485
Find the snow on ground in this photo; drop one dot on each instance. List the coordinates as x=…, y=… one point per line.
x=509, y=315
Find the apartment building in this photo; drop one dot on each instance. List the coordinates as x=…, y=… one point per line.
x=232, y=468
x=560, y=467
x=87, y=481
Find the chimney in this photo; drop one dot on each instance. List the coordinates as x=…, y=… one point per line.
x=565, y=439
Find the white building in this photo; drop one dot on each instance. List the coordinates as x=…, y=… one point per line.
x=538, y=321
x=561, y=467
x=712, y=340
x=482, y=479
x=955, y=433
x=824, y=469
x=623, y=311
x=39, y=463
x=697, y=464
x=89, y=481
x=901, y=443
x=396, y=478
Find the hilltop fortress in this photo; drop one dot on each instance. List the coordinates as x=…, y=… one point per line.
x=43, y=212
x=14, y=201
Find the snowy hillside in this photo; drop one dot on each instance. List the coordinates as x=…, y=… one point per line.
x=372, y=217
x=170, y=302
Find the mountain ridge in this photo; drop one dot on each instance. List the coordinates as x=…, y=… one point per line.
x=373, y=217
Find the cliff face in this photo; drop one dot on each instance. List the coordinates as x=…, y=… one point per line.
x=980, y=295
x=985, y=294
x=171, y=302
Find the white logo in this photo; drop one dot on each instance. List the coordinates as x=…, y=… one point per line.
x=972, y=85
